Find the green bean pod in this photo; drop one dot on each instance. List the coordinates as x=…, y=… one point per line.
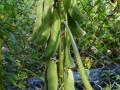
x=52, y=77
x=69, y=81
x=43, y=22
x=54, y=38
x=76, y=30
x=68, y=61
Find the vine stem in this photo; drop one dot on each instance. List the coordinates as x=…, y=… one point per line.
x=81, y=68
x=61, y=67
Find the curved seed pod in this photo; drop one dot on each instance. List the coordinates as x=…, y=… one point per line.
x=69, y=4
x=77, y=15
x=52, y=77
x=54, y=38
x=74, y=27
x=42, y=28
x=68, y=61
x=47, y=5
x=69, y=82
x=43, y=32
x=38, y=20
x=39, y=15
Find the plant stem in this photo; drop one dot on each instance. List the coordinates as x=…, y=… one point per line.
x=79, y=62
x=60, y=64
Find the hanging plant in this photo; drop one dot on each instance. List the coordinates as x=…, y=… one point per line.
x=57, y=22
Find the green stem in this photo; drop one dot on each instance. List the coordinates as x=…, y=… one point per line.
x=60, y=7
x=61, y=69
x=61, y=66
x=1, y=67
x=79, y=62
